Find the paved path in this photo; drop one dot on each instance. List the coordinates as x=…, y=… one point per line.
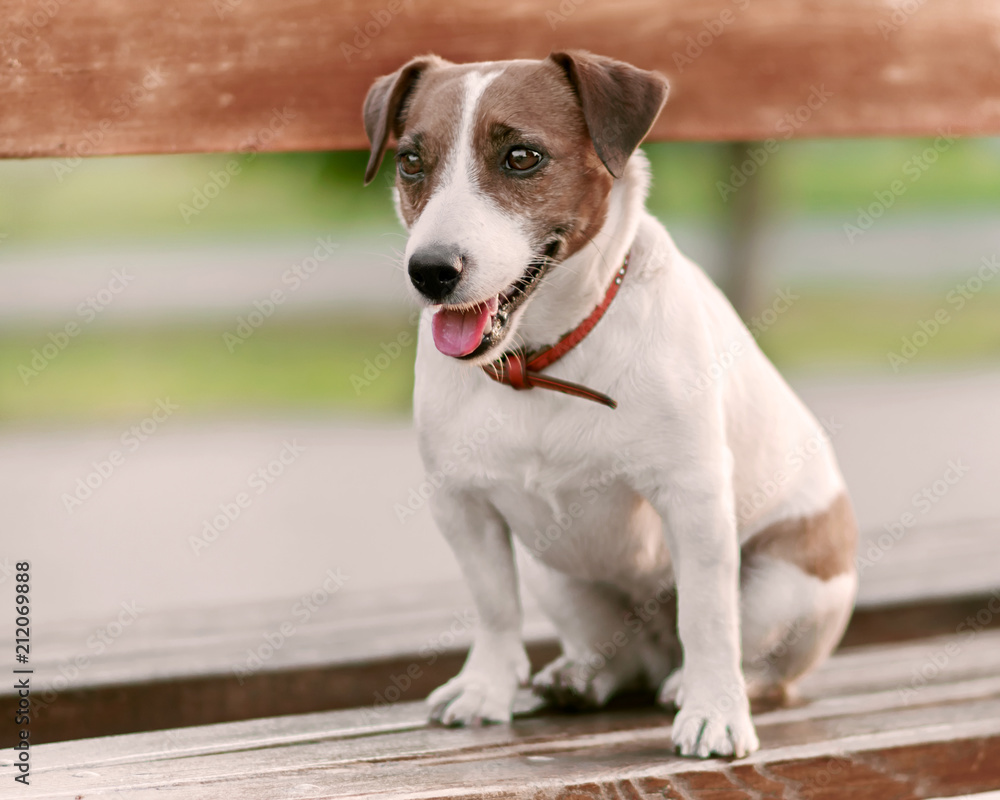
x=332, y=506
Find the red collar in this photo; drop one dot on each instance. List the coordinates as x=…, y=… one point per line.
x=520, y=369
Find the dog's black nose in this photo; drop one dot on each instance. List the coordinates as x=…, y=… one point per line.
x=435, y=271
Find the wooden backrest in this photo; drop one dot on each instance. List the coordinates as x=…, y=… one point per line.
x=105, y=76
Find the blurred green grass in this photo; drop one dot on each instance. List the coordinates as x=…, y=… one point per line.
x=140, y=196
x=318, y=366
x=306, y=364
x=854, y=329
x=828, y=177
x=303, y=365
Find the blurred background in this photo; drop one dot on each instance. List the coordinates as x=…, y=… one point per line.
x=171, y=325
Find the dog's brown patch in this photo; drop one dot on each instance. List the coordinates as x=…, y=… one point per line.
x=532, y=104
x=584, y=113
x=823, y=544
x=429, y=123
x=383, y=106
x=529, y=103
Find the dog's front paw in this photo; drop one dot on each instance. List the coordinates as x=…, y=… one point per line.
x=710, y=722
x=484, y=690
x=704, y=731
x=472, y=699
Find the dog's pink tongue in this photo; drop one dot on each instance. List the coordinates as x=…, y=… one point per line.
x=458, y=333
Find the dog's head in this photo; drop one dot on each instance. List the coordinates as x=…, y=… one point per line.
x=503, y=169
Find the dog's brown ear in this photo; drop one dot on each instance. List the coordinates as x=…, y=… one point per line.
x=620, y=102
x=383, y=104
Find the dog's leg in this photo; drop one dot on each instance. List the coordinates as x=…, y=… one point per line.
x=699, y=523
x=791, y=621
x=497, y=663
x=601, y=655
x=798, y=582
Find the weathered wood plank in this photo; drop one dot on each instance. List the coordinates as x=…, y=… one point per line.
x=870, y=679
x=865, y=738
x=928, y=564
x=225, y=75
x=187, y=669
x=898, y=764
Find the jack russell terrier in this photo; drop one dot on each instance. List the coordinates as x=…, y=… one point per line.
x=698, y=540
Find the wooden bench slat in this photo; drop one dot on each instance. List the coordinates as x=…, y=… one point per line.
x=237, y=74
x=866, y=679
x=179, y=669
x=951, y=560
x=947, y=738
x=939, y=755
x=352, y=736
x=942, y=562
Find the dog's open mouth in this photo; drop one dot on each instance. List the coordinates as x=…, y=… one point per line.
x=469, y=331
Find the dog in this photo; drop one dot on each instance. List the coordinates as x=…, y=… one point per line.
x=677, y=511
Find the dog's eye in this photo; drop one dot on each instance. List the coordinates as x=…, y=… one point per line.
x=520, y=159
x=410, y=164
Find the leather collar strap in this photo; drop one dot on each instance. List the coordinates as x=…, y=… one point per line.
x=520, y=369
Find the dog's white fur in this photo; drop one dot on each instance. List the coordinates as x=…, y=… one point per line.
x=651, y=491
x=472, y=221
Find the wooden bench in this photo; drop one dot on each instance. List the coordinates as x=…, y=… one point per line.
x=910, y=701
x=854, y=735
x=908, y=719
x=176, y=669
x=81, y=79
x=71, y=76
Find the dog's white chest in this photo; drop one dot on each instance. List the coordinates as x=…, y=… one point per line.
x=595, y=528
x=568, y=502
